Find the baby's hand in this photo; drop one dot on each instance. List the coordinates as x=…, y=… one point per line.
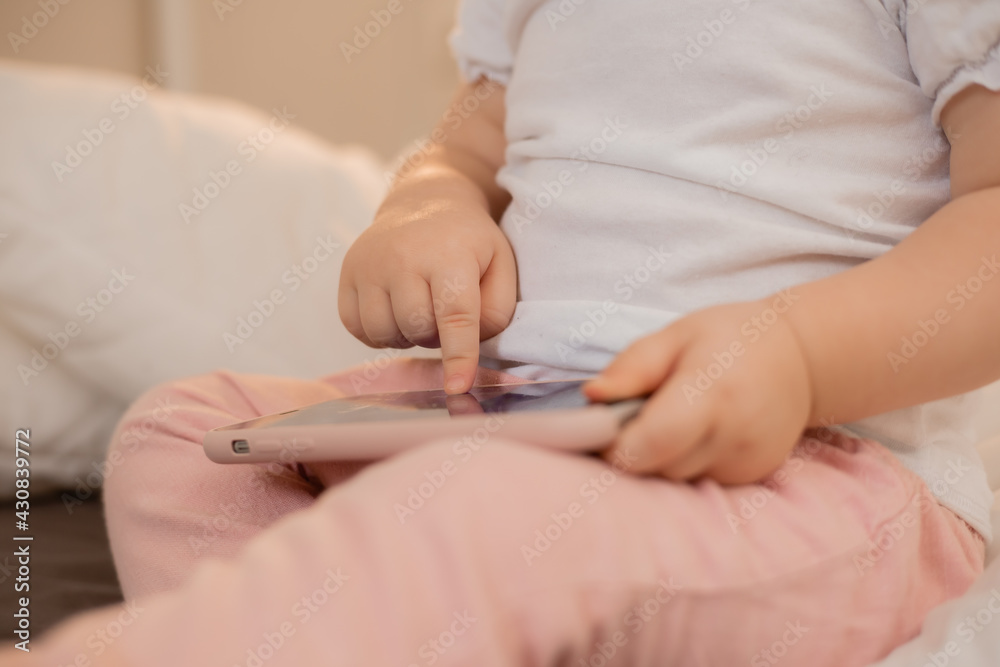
x=431, y=273
x=731, y=394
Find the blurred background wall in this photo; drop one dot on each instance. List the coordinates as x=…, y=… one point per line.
x=285, y=53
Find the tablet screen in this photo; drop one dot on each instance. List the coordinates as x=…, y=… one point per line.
x=431, y=404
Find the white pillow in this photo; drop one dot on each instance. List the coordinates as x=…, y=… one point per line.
x=95, y=170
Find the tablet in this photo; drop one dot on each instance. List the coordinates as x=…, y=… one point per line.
x=552, y=414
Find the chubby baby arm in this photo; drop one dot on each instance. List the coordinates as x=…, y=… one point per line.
x=836, y=351
x=922, y=321
x=434, y=269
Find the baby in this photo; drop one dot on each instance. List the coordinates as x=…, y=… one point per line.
x=739, y=207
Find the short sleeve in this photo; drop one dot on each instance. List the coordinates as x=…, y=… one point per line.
x=478, y=42
x=952, y=44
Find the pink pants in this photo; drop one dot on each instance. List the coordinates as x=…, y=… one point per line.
x=517, y=556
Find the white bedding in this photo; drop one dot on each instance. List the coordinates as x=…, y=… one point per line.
x=964, y=632
x=182, y=285
x=65, y=234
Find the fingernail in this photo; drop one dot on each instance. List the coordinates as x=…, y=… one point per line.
x=455, y=383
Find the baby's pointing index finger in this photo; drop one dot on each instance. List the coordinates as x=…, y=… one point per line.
x=456, y=311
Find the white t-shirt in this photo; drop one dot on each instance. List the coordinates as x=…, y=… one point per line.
x=672, y=155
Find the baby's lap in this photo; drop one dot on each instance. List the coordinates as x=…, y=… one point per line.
x=804, y=546
x=827, y=495
x=554, y=525
x=535, y=506
x=841, y=477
